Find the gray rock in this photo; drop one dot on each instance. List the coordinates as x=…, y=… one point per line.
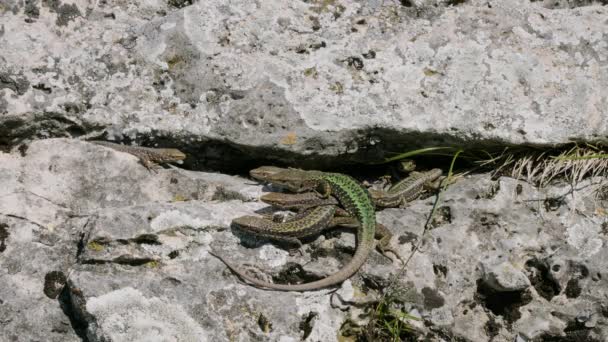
x=536, y=320
x=505, y=277
x=126, y=315
x=141, y=251
x=94, y=246
x=289, y=80
x=498, y=224
x=91, y=241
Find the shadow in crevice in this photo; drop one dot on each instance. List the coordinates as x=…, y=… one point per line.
x=72, y=307
x=505, y=304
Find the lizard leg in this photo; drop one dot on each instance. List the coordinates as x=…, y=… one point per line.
x=385, y=182
x=435, y=184
x=149, y=164
x=403, y=203
x=384, y=246
x=322, y=188
x=382, y=233
x=341, y=212
x=299, y=215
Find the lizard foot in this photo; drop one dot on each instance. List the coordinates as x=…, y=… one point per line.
x=294, y=251
x=384, y=249
x=150, y=165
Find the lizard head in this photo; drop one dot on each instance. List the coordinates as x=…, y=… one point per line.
x=407, y=165
x=294, y=180
x=288, y=178
x=172, y=155
x=262, y=173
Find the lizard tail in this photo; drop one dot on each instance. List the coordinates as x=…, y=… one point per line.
x=346, y=272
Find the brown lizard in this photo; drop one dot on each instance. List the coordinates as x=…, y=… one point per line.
x=148, y=156
x=315, y=215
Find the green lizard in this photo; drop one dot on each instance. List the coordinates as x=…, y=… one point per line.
x=352, y=196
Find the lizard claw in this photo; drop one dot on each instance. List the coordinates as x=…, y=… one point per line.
x=152, y=167
x=294, y=251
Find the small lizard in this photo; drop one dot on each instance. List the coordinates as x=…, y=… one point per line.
x=308, y=223
x=352, y=196
x=316, y=214
x=407, y=189
x=148, y=156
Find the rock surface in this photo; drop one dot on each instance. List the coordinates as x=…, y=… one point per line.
x=94, y=247
x=282, y=80
x=499, y=262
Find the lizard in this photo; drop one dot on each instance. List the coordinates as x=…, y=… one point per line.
x=311, y=222
x=354, y=199
x=316, y=214
x=148, y=156
x=406, y=189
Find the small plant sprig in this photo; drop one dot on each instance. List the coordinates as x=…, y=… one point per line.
x=388, y=323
